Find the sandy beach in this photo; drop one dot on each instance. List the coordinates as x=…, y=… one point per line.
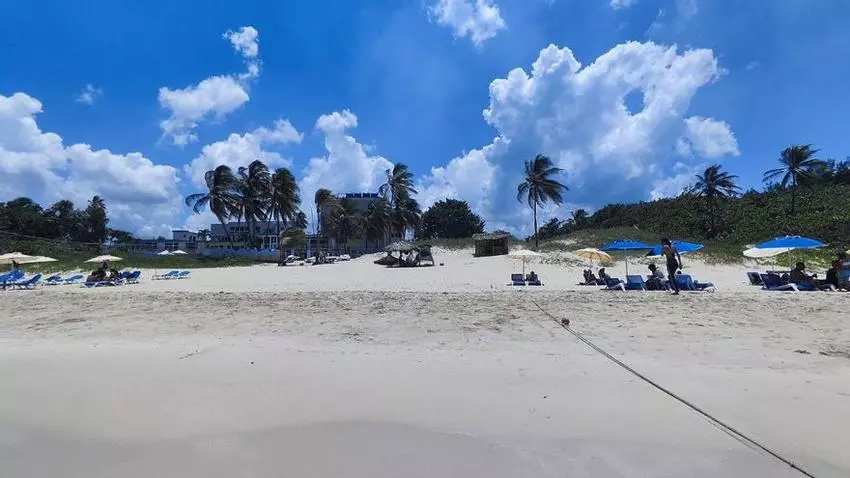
x=356, y=370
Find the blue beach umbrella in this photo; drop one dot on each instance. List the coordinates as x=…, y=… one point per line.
x=791, y=242
x=626, y=245
x=681, y=246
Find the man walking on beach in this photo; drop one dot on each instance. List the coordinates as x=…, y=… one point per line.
x=674, y=263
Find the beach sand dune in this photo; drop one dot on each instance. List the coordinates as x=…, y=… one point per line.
x=355, y=370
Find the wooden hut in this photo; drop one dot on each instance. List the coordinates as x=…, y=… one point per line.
x=495, y=244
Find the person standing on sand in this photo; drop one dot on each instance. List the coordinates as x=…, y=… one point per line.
x=674, y=262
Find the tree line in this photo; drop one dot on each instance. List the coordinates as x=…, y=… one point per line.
x=255, y=194
x=60, y=221
x=804, y=195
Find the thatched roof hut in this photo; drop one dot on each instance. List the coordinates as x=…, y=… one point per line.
x=400, y=246
x=495, y=244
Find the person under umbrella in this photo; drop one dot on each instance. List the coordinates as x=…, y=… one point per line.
x=674, y=262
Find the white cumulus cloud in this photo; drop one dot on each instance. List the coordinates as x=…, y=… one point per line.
x=577, y=115
x=240, y=150
x=140, y=195
x=89, y=95
x=478, y=19
x=212, y=98
x=348, y=165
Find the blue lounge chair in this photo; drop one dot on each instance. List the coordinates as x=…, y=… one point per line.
x=183, y=274
x=53, y=280
x=754, y=278
x=101, y=283
x=686, y=282
x=635, y=283
x=74, y=279
x=517, y=279
x=133, y=277
x=30, y=283
x=167, y=275
x=774, y=282
x=11, y=277
x=614, y=284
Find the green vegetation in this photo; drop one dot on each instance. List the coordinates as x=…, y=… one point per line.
x=812, y=198
x=449, y=219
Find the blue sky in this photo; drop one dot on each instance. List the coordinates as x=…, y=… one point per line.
x=335, y=90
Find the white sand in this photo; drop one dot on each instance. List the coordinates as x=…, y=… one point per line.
x=356, y=370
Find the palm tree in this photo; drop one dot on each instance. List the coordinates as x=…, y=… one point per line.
x=345, y=221
x=399, y=191
x=377, y=220
x=798, y=163
x=323, y=199
x=221, y=196
x=539, y=187
x=715, y=183
x=284, y=198
x=399, y=184
x=579, y=217
x=254, y=186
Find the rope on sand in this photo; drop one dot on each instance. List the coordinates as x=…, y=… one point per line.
x=728, y=429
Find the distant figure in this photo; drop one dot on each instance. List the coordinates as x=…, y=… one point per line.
x=674, y=262
x=589, y=278
x=798, y=276
x=603, y=275
x=843, y=269
x=104, y=266
x=532, y=279
x=832, y=275
x=15, y=265
x=656, y=278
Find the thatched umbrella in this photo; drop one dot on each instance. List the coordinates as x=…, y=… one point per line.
x=400, y=246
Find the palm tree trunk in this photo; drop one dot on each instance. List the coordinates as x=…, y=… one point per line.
x=536, y=238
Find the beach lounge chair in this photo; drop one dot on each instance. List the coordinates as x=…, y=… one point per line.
x=183, y=275
x=532, y=280
x=74, y=279
x=12, y=276
x=53, y=280
x=614, y=284
x=29, y=284
x=132, y=277
x=168, y=275
x=517, y=279
x=101, y=283
x=774, y=282
x=635, y=283
x=686, y=282
x=754, y=278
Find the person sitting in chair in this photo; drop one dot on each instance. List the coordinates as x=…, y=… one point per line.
x=532, y=279
x=656, y=278
x=603, y=275
x=798, y=276
x=833, y=277
x=590, y=279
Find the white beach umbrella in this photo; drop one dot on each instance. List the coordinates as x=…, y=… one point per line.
x=523, y=255
x=757, y=253
x=105, y=257
x=14, y=256
x=38, y=260
x=164, y=253
x=178, y=252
